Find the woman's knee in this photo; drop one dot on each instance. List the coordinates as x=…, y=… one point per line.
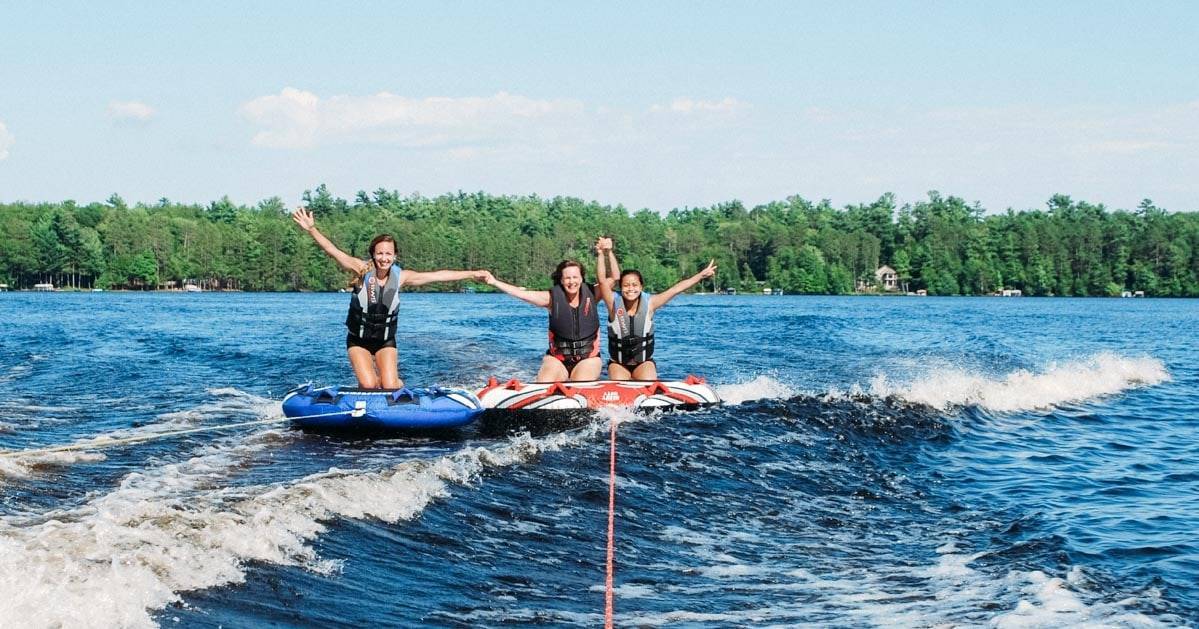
x=387, y=366
x=646, y=371
x=618, y=372
x=588, y=369
x=552, y=370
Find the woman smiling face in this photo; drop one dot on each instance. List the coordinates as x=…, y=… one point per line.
x=630, y=287
x=383, y=254
x=572, y=279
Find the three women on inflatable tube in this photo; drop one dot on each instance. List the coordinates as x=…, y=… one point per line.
x=574, y=346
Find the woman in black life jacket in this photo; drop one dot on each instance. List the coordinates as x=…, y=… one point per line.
x=574, y=351
x=375, y=303
x=631, y=319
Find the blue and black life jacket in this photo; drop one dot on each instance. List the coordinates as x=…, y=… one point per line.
x=631, y=338
x=375, y=309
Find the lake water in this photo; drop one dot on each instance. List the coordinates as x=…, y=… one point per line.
x=878, y=462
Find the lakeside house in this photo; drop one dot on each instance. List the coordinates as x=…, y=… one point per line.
x=887, y=278
x=47, y=287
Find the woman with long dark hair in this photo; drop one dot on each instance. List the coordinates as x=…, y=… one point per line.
x=375, y=302
x=631, y=319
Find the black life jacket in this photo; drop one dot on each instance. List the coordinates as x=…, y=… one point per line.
x=574, y=332
x=375, y=309
x=631, y=339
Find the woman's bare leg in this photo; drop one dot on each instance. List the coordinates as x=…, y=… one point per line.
x=386, y=361
x=587, y=369
x=647, y=370
x=364, y=367
x=552, y=370
x=618, y=372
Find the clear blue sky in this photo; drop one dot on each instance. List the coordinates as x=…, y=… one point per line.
x=655, y=105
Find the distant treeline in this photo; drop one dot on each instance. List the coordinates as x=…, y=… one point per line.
x=943, y=244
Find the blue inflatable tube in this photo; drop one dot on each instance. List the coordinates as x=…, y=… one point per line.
x=368, y=410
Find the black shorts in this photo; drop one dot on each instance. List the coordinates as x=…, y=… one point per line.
x=569, y=361
x=632, y=366
x=369, y=345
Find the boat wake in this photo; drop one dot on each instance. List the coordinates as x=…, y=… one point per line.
x=945, y=388
x=229, y=405
x=1085, y=380
x=116, y=559
x=760, y=388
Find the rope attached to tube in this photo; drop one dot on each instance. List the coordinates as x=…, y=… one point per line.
x=608, y=593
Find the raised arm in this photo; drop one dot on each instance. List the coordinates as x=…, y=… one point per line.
x=604, y=282
x=418, y=278
x=540, y=298
x=659, y=300
x=613, y=267
x=304, y=219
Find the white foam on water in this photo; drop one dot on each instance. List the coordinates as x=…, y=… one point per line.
x=231, y=406
x=39, y=408
x=18, y=370
x=117, y=558
x=1055, y=602
x=949, y=592
x=14, y=372
x=1083, y=380
x=630, y=590
x=761, y=387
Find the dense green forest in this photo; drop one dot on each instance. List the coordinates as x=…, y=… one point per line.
x=943, y=244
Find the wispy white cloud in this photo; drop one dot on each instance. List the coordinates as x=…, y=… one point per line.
x=697, y=152
x=130, y=111
x=1124, y=147
x=726, y=105
x=6, y=141
x=1003, y=156
x=300, y=119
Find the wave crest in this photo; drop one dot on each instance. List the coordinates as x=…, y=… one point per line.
x=1078, y=381
x=760, y=388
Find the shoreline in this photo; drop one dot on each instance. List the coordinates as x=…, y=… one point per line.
x=494, y=292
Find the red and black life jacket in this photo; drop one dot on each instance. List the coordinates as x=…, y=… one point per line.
x=574, y=332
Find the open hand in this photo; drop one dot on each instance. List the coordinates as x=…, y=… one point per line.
x=303, y=218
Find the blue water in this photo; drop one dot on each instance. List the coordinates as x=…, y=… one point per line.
x=881, y=462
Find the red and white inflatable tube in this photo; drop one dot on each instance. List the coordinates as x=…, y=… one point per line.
x=515, y=395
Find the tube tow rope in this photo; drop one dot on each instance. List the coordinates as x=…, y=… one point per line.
x=105, y=443
x=608, y=593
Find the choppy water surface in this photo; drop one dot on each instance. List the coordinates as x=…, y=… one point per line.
x=880, y=462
